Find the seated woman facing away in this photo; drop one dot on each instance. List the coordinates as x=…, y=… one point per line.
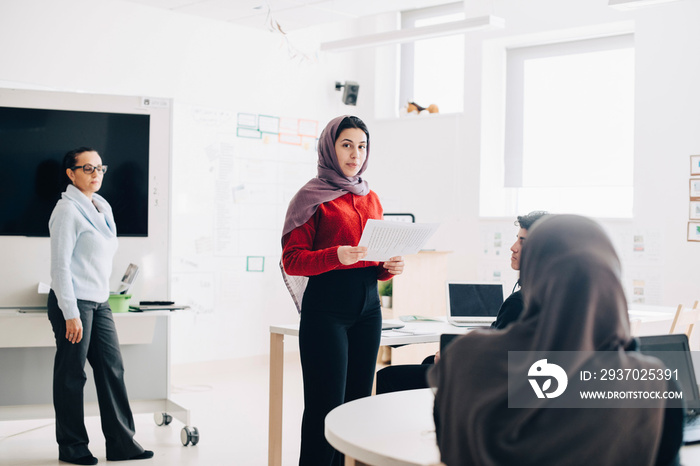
x=570, y=276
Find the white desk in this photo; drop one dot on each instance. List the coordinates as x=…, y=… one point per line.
x=429, y=333
x=27, y=349
x=397, y=429
x=650, y=320
x=654, y=320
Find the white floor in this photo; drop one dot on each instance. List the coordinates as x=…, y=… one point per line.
x=228, y=403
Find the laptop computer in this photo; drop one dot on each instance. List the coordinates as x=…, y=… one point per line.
x=473, y=304
x=128, y=279
x=674, y=352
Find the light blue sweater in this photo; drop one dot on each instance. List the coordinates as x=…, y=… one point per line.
x=83, y=243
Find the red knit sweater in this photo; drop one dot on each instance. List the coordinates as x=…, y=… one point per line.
x=312, y=248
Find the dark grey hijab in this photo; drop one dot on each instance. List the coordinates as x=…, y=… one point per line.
x=574, y=301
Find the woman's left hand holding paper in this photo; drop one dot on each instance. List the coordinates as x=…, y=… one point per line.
x=394, y=265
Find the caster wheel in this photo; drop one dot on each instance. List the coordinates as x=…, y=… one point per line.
x=189, y=436
x=162, y=419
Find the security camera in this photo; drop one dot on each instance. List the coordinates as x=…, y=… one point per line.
x=350, y=91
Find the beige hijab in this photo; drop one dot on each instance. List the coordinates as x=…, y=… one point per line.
x=573, y=302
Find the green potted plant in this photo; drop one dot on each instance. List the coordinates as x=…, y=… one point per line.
x=385, y=291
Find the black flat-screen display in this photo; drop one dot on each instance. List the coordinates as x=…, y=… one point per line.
x=32, y=145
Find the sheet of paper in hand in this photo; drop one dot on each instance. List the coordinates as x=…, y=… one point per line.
x=385, y=239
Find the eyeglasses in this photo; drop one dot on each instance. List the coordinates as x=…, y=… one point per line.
x=87, y=168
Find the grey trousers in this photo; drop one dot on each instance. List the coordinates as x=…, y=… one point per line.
x=100, y=347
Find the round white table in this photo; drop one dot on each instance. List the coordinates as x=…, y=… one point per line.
x=393, y=429
x=397, y=429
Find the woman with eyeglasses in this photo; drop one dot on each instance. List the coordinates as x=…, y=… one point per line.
x=83, y=243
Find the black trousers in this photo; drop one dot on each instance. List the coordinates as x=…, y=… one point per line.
x=100, y=347
x=339, y=335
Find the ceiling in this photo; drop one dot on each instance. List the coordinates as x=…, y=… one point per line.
x=289, y=14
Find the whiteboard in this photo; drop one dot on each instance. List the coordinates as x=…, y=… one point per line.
x=233, y=176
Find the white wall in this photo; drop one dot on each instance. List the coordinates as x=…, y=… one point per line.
x=434, y=163
x=429, y=167
x=109, y=47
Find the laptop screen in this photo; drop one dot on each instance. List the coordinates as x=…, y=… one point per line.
x=674, y=352
x=447, y=338
x=128, y=279
x=474, y=299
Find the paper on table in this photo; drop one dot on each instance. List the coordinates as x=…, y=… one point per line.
x=385, y=239
x=403, y=332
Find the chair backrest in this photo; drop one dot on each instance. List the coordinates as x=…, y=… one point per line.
x=685, y=319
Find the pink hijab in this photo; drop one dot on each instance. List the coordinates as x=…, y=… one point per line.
x=330, y=183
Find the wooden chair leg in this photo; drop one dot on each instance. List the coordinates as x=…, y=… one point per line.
x=675, y=318
x=690, y=329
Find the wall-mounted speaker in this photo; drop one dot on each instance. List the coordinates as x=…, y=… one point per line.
x=350, y=91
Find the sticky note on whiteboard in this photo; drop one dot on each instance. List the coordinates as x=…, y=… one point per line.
x=255, y=264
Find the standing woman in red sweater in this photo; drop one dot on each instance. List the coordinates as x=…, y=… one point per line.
x=333, y=288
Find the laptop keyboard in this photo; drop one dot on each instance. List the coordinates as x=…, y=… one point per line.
x=691, y=429
x=693, y=421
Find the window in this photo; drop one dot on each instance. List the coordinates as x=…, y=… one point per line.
x=432, y=70
x=569, y=130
